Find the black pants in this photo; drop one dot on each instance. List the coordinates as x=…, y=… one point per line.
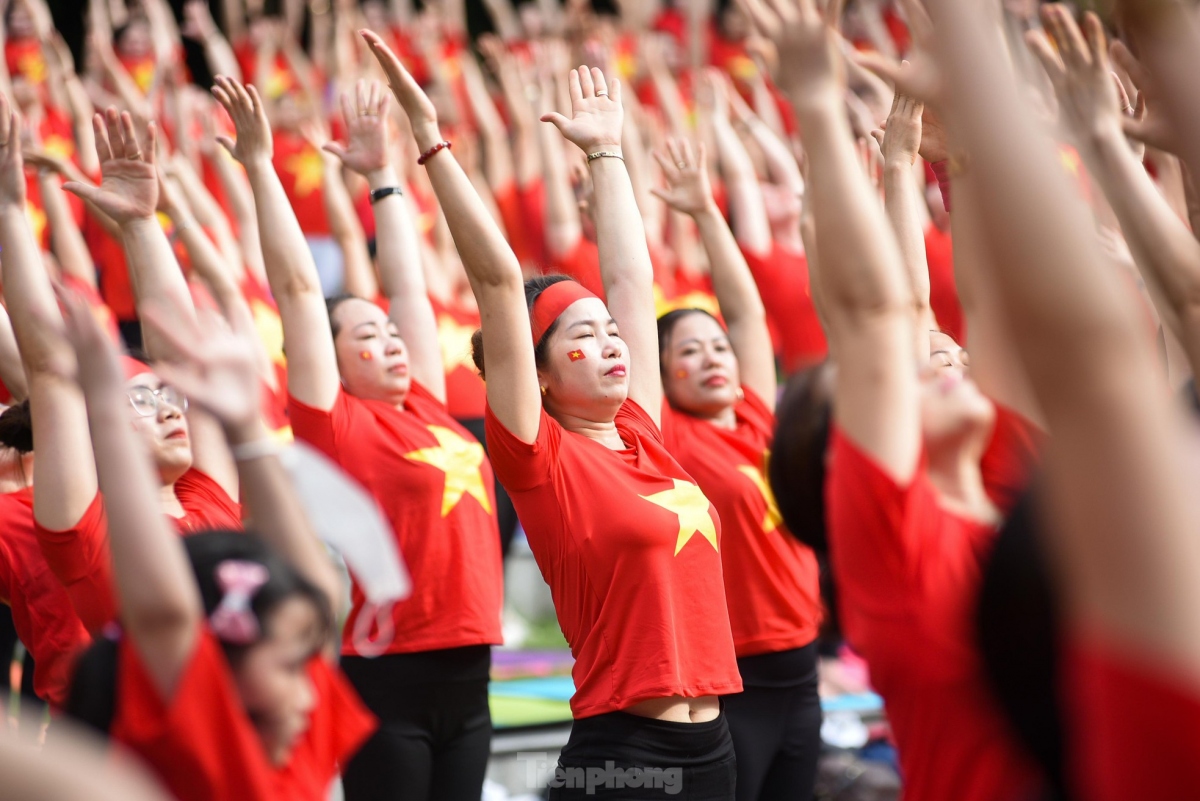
x=632, y=758
x=776, y=726
x=435, y=730
x=506, y=513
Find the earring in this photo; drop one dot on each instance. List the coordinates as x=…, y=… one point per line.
x=741, y=395
x=543, y=392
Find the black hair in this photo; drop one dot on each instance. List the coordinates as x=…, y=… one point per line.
x=331, y=304
x=92, y=700
x=534, y=287
x=1018, y=630
x=666, y=327
x=16, y=428
x=804, y=418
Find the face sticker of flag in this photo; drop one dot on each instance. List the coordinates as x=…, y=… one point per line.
x=576, y=355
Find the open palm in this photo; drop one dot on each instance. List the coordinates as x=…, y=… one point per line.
x=129, y=187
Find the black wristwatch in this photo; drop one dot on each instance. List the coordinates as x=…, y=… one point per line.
x=384, y=191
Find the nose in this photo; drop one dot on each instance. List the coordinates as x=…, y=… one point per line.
x=613, y=347
x=395, y=345
x=168, y=411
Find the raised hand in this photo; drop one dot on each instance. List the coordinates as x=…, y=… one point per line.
x=212, y=362
x=367, y=129
x=1148, y=124
x=198, y=23
x=245, y=107
x=128, y=190
x=921, y=80
x=1083, y=81
x=810, y=66
x=902, y=140
x=688, y=190
x=12, y=171
x=96, y=364
x=416, y=104
x=596, y=115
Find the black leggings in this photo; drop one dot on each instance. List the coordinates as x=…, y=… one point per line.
x=435, y=730
x=631, y=758
x=777, y=729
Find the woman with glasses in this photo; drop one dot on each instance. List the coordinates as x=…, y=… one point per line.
x=198, y=477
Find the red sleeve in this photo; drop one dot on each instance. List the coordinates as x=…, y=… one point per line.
x=339, y=725
x=199, y=742
x=321, y=429
x=522, y=465
x=1012, y=453
x=631, y=415
x=1136, y=729
x=207, y=504
x=873, y=516
x=79, y=557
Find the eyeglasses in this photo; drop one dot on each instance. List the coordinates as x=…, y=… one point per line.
x=145, y=401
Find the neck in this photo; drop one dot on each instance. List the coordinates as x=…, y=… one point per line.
x=725, y=418
x=954, y=472
x=170, y=501
x=603, y=432
x=788, y=237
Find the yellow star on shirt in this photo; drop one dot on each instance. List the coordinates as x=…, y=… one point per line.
x=455, y=343
x=689, y=504
x=460, y=460
x=773, y=518
x=306, y=166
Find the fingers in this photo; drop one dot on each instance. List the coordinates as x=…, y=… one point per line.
x=1133, y=68
x=557, y=120
x=335, y=149
x=360, y=97
x=599, y=82
x=374, y=98
x=614, y=92
x=1046, y=54
x=81, y=190
x=103, y=145
x=586, y=86
x=1097, y=40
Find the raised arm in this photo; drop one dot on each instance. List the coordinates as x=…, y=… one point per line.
x=1166, y=253
x=595, y=127
x=397, y=244
x=161, y=610
x=493, y=135
x=689, y=192
x=1123, y=521
x=312, y=363
x=563, y=226
x=747, y=210
x=66, y=240
x=866, y=298
x=63, y=471
x=11, y=371
x=526, y=159
x=902, y=203
x=212, y=363
x=199, y=26
x=495, y=274
x=128, y=194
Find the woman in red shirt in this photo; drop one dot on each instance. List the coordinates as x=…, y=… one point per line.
x=627, y=541
x=225, y=683
x=718, y=422
x=368, y=389
x=908, y=516
x=1122, y=511
x=193, y=463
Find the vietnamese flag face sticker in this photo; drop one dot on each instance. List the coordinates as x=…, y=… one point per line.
x=576, y=355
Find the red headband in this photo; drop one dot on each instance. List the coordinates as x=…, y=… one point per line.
x=553, y=301
x=133, y=367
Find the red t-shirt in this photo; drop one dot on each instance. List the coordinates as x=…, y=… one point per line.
x=466, y=394
x=629, y=546
x=41, y=610
x=300, y=168
x=434, y=483
x=582, y=263
x=1134, y=727
x=533, y=206
x=1013, y=451
x=202, y=745
x=79, y=556
x=115, y=285
x=908, y=574
x=270, y=332
x=782, y=279
x=520, y=233
x=771, y=579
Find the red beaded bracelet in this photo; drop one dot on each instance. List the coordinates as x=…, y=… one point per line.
x=433, y=151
